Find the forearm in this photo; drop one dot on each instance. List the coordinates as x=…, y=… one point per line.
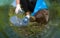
x=17, y=1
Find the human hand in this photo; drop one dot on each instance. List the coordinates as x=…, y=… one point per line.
x=18, y=9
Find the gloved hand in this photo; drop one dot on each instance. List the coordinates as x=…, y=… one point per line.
x=18, y=9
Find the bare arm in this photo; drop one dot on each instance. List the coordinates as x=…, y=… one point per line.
x=17, y=1
x=18, y=7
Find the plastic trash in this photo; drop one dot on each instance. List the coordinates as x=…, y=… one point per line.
x=19, y=22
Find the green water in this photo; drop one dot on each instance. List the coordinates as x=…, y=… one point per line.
x=5, y=2
x=6, y=31
x=54, y=30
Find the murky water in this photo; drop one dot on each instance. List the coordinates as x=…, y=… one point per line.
x=51, y=31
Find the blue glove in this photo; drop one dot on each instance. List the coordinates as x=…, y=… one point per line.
x=25, y=21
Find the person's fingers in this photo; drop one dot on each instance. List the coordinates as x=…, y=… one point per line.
x=16, y=11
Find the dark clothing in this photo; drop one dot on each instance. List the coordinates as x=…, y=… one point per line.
x=28, y=5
